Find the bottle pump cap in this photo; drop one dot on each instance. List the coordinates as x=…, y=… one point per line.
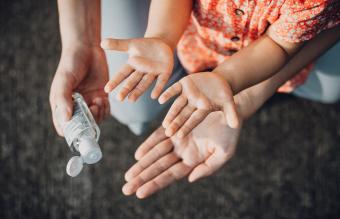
x=74, y=166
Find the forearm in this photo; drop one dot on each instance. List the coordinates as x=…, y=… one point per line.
x=168, y=19
x=79, y=22
x=254, y=63
x=251, y=99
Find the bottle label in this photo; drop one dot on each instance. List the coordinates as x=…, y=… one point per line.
x=82, y=120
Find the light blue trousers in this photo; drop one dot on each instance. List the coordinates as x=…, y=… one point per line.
x=128, y=19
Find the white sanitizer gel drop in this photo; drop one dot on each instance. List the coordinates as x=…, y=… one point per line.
x=81, y=134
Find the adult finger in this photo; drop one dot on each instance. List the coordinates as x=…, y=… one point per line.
x=115, y=44
x=95, y=111
x=196, y=118
x=180, y=119
x=155, y=138
x=123, y=73
x=152, y=171
x=107, y=107
x=174, y=173
x=173, y=90
x=210, y=165
x=142, y=86
x=99, y=102
x=61, y=100
x=230, y=113
x=103, y=107
x=153, y=155
x=130, y=84
x=162, y=80
x=174, y=110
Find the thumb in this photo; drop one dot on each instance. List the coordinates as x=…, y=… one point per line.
x=230, y=114
x=115, y=44
x=61, y=101
x=209, y=166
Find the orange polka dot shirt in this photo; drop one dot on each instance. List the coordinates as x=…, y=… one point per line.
x=219, y=28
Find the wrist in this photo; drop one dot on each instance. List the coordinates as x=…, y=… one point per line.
x=226, y=75
x=246, y=107
x=76, y=46
x=79, y=42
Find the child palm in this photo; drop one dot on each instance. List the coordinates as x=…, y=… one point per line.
x=150, y=59
x=199, y=95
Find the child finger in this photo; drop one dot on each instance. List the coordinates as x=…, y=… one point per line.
x=99, y=102
x=142, y=86
x=175, y=108
x=230, y=114
x=115, y=44
x=130, y=84
x=160, y=84
x=173, y=90
x=107, y=107
x=196, y=118
x=177, y=123
x=123, y=73
x=95, y=112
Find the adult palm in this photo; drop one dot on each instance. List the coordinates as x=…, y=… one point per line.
x=163, y=160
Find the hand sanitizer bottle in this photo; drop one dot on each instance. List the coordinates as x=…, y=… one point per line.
x=81, y=134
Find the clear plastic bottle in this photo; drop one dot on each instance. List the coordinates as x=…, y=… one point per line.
x=82, y=135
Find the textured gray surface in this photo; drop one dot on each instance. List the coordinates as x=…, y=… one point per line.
x=287, y=164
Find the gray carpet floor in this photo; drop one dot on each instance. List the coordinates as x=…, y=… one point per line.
x=287, y=163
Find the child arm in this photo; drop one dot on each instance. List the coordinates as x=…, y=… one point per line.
x=256, y=62
x=151, y=57
x=299, y=21
x=254, y=97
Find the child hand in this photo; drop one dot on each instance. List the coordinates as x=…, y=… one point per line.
x=199, y=95
x=150, y=59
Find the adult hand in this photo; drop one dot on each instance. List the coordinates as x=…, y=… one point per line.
x=199, y=95
x=150, y=59
x=81, y=69
x=163, y=160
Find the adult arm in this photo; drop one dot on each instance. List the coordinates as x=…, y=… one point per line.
x=82, y=66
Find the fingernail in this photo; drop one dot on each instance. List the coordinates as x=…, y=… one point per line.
x=131, y=99
x=127, y=176
x=165, y=124
x=104, y=43
x=160, y=101
x=191, y=179
x=107, y=89
x=119, y=98
x=140, y=194
x=126, y=189
x=137, y=156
